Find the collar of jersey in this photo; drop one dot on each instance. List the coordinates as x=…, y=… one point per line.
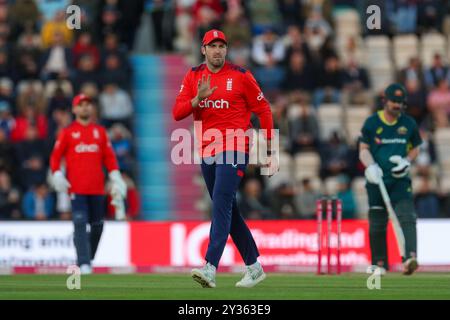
x=383, y=119
x=224, y=67
x=76, y=122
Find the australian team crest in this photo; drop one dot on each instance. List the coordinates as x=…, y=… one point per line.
x=402, y=130
x=379, y=130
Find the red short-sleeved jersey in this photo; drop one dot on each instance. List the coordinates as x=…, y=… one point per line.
x=86, y=149
x=229, y=107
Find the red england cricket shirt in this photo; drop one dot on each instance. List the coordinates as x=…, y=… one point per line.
x=86, y=149
x=229, y=107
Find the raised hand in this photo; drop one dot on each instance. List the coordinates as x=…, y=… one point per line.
x=204, y=89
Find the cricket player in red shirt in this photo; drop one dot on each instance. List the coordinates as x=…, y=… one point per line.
x=222, y=96
x=86, y=149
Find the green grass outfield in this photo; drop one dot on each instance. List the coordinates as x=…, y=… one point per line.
x=181, y=286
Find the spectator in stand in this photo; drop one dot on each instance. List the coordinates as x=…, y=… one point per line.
x=334, y=155
x=251, y=203
x=213, y=5
x=58, y=101
x=282, y=201
x=32, y=158
x=6, y=70
x=9, y=198
x=439, y=104
x=56, y=62
x=356, y=83
x=264, y=14
x=236, y=26
x=109, y=21
x=428, y=158
x=306, y=198
x=279, y=112
x=317, y=30
x=115, y=72
x=299, y=74
x=38, y=203
x=23, y=14
x=157, y=11
x=426, y=200
x=85, y=46
x=111, y=46
x=31, y=93
x=327, y=50
x=240, y=53
x=183, y=25
x=353, y=50
x=417, y=101
x=86, y=73
x=330, y=80
x=122, y=145
x=130, y=19
x=56, y=26
x=29, y=119
x=294, y=43
x=268, y=53
x=206, y=18
x=6, y=119
x=406, y=16
x=345, y=193
x=59, y=119
x=304, y=129
x=412, y=72
x=430, y=15
x=26, y=65
x=115, y=106
x=5, y=20
x=437, y=72
x=7, y=154
x=6, y=92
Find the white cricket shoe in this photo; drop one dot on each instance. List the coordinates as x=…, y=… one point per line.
x=206, y=276
x=380, y=270
x=85, y=269
x=253, y=275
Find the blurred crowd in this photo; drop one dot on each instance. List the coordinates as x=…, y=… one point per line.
x=43, y=64
x=304, y=62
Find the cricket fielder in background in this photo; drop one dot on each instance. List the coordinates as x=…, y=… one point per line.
x=86, y=148
x=389, y=143
x=222, y=96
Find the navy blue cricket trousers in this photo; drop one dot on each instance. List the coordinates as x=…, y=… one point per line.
x=87, y=210
x=222, y=181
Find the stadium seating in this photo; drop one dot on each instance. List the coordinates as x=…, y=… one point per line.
x=330, y=116
x=431, y=44
x=404, y=47
x=306, y=165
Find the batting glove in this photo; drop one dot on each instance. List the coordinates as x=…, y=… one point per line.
x=60, y=182
x=402, y=166
x=373, y=173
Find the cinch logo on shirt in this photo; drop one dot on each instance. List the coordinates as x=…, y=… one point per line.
x=389, y=141
x=86, y=148
x=218, y=104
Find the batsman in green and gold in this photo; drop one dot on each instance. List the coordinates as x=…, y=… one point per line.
x=393, y=140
